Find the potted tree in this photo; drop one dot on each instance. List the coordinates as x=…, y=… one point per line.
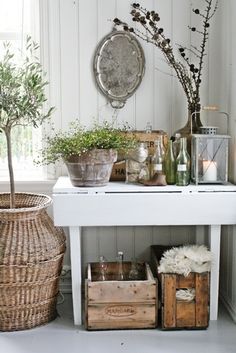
x=89, y=154
x=31, y=248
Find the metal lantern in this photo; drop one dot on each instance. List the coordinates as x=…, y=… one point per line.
x=209, y=162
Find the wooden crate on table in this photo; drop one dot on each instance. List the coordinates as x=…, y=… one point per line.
x=180, y=314
x=119, y=168
x=113, y=304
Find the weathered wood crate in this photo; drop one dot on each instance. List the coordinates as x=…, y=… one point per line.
x=185, y=314
x=114, y=304
x=179, y=314
x=118, y=170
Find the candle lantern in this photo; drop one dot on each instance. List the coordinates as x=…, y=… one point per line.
x=209, y=158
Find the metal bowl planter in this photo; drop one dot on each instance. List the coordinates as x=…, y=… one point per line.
x=92, y=168
x=31, y=257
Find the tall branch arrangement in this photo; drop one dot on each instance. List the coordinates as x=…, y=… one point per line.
x=188, y=70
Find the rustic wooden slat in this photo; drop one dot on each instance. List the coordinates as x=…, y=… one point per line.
x=185, y=282
x=118, y=291
x=202, y=299
x=169, y=300
x=185, y=314
x=120, y=316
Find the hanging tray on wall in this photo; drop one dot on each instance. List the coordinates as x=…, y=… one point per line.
x=119, y=65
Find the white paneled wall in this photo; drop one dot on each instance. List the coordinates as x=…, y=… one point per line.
x=71, y=31
x=228, y=83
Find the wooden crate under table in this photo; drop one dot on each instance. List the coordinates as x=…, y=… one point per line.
x=176, y=314
x=114, y=304
x=183, y=314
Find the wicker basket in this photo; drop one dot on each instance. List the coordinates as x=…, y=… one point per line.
x=24, y=317
x=31, y=256
x=41, y=271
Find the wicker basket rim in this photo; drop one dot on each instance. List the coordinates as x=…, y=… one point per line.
x=44, y=203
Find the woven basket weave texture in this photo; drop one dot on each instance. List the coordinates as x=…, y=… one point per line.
x=31, y=257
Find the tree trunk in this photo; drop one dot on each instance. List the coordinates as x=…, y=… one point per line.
x=10, y=168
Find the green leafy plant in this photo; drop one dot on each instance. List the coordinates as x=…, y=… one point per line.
x=22, y=97
x=78, y=140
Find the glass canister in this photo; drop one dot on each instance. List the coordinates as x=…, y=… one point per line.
x=136, y=164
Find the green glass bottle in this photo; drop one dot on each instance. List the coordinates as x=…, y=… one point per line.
x=170, y=165
x=183, y=164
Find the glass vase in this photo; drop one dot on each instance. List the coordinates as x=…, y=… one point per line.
x=192, y=126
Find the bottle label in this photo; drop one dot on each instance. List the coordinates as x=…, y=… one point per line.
x=181, y=167
x=157, y=167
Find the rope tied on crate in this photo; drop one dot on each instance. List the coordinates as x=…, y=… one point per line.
x=185, y=259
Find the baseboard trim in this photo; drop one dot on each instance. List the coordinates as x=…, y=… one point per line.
x=228, y=306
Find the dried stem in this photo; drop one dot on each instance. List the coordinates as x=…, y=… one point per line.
x=188, y=73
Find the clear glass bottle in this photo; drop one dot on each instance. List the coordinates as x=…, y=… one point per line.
x=120, y=270
x=148, y=128
x=102, y=268
x=183, y=164
x=133, y=273
x=157, y=164
x=170, y=165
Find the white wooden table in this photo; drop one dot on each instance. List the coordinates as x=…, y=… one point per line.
x=120, y=204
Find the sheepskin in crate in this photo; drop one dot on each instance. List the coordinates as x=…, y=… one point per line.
x=184, y=281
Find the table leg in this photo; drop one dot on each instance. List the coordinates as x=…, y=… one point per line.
x=75, y=254
x=214, y=242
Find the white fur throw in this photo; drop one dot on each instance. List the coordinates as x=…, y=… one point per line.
x=185, y=259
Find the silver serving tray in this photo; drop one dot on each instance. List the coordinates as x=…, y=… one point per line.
x=119, y=66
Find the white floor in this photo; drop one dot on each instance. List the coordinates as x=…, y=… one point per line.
x=61, y=336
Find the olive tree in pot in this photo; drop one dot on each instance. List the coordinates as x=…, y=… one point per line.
x=31, y=248
x=21, y=97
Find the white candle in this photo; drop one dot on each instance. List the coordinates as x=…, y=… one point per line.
x=209, y=171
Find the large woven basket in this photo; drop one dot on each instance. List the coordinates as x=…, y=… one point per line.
x=31, y=256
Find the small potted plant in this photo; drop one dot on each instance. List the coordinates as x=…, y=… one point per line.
x=31, y=248
x=89, y=154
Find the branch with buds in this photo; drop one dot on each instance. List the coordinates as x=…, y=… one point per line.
x=188, y=73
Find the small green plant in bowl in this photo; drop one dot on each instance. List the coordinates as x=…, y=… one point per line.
x=89, y=154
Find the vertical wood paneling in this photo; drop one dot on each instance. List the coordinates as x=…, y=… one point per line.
x=50, y=33
x=129, y=111
x=143, y=241
x=145, y=111
x=161, y=235
x=162, y=72
x=181, y=235
x=181, y=36
x=227, y=84
x=107, y=242
x=125, y=239
x=69, y=63
x=105, y=15
x=90, y=245
x=88, y=38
